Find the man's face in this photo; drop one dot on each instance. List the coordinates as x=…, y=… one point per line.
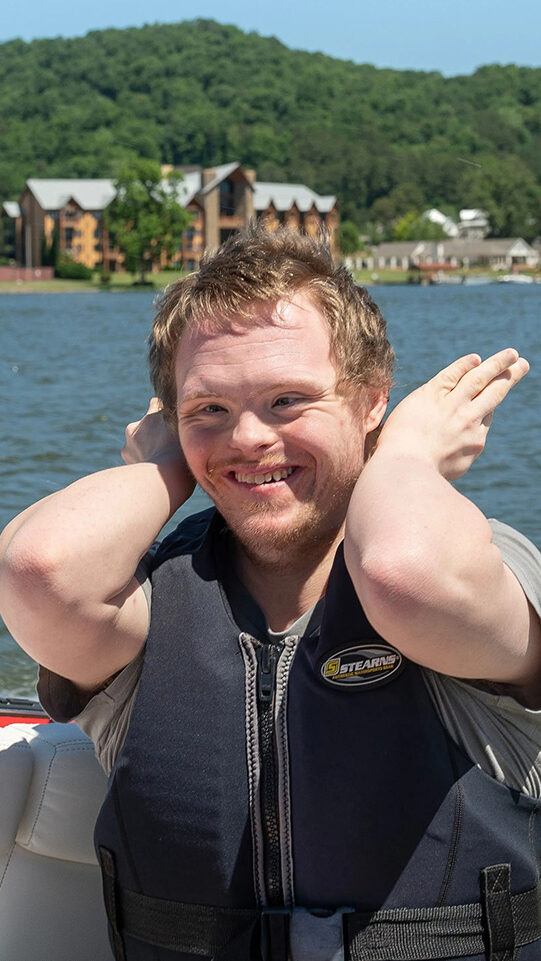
x=264, y=431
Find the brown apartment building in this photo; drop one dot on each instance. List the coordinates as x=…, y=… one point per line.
x=74, y=210
x=221, y=200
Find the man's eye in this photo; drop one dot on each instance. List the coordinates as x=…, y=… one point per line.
x=284, y=401
x=212, y=409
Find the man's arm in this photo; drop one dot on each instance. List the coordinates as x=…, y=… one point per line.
x=67, y=588
x=421, y=554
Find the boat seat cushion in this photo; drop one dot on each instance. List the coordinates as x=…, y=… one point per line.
x=51, y=789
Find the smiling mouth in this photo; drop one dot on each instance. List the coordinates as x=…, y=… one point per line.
x=269, y=477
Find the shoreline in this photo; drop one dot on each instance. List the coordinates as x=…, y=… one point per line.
x=382, y=278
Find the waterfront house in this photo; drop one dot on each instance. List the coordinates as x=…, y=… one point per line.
x=473, y=224
x=498, y=253
x=398, y=255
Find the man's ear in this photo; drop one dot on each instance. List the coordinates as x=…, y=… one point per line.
x=374, y=417
x=377, y=405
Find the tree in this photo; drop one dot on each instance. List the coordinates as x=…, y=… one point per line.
x=349, y=237
x=412, y=226
x=146, y=219
x=508, y=191
x=384, y=141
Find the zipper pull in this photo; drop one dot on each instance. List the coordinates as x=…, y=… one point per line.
x=267, y=659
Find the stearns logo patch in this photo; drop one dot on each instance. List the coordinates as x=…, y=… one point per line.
x=362, y=666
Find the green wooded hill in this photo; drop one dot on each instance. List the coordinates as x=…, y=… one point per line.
x=384, y=141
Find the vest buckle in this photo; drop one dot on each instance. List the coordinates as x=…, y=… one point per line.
x=274, y=928
x=303, y=934
x=318, y=935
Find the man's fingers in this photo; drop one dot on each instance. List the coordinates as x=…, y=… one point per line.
x=469, y=376
x=497, y=366
x=450, y=376
x=497, y=389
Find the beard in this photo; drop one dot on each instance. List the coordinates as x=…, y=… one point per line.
x=288, y=533
x=271, y=542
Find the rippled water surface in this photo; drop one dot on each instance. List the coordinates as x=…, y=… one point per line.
x=73, y=373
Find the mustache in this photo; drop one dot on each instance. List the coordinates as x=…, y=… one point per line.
x=260, y=466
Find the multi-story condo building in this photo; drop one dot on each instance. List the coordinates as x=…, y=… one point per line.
x=221, y=200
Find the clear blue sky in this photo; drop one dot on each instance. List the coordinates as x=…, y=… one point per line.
x=454, y=36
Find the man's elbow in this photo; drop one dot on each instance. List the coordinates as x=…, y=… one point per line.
x=28, y=575
x=392, y=586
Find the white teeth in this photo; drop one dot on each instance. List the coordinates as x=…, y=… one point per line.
x=276, y=475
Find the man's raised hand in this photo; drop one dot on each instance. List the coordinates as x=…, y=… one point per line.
x=448, y=418
x=151, y=439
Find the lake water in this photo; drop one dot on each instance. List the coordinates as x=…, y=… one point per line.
x=73, y=373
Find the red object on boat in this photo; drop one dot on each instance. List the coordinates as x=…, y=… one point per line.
x=21, y=710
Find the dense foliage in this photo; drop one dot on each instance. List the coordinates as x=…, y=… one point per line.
x=385, y=141
x=145, y=208
x=69, y=269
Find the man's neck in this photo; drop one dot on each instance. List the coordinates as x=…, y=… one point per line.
x=287, y=588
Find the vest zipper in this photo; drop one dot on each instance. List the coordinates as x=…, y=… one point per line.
x=267, y=660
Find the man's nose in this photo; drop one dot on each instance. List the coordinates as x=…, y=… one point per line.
x=252, y=433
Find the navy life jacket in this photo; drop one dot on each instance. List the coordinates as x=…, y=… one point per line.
x=272, y=797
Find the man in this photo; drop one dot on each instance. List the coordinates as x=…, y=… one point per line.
x=297, y=771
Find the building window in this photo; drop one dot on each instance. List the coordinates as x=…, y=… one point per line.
x=227, y=198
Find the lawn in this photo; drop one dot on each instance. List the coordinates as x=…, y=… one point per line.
x=119, y=282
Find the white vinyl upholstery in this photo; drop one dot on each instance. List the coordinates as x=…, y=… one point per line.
x=51, y=789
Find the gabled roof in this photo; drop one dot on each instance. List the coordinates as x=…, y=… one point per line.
x=494, y=247
x=468, y=214
x=283, y=196
x=401, y=248
x=11, y=208
x=192, y=181
x=88, y=194
x=188, y=187
x=222, y=172
x=448, y=225
x=435, y=216
x=98, y=194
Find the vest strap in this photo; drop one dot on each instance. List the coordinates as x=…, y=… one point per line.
x=110, y=892
x=197, y=929
x=498, y=912
x=493, y=928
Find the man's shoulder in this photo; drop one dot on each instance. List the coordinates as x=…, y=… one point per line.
x=522, y=557
x=188, y=537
